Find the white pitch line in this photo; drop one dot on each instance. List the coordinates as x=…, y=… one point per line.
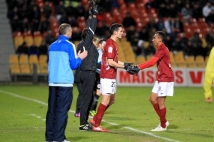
x=39, y=117
x=128, y=128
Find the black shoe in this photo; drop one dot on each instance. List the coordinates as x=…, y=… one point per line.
x=85, y=127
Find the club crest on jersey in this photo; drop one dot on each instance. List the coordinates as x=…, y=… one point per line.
x=110, y=49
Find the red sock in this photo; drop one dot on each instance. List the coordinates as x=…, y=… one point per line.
x=156, y=108
x=107, y=107
x=163, y=117
x=94, y=118
x=99, y=115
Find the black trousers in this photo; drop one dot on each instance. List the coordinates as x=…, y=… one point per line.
x=85, y=88
x=59, y=103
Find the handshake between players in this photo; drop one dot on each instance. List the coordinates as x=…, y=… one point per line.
x=131, y=69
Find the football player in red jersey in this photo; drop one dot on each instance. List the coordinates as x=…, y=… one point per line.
x=108, y=72
x=164, y=85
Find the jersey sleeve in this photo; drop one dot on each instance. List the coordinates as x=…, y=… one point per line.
x=159, y=53
x=110, y=51
x=149, y=63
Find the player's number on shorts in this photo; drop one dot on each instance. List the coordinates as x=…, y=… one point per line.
x=113, y=83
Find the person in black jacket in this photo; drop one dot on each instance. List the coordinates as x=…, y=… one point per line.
x=85, y=74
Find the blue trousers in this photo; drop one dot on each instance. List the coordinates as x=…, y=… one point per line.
x=59, y=103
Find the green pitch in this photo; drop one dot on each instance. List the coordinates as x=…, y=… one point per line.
x=130, y=119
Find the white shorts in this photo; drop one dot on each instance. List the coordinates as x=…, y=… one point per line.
x=108, y=86
x=163, y=88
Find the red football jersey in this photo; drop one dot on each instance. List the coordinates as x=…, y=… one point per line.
x=165, y=73
x=109, y=52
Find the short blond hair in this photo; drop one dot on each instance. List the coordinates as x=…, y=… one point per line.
x=63, y=28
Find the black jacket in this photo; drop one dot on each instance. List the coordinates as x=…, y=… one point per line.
x=90, y=62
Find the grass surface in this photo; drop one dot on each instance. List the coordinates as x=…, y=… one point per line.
x=23, y=110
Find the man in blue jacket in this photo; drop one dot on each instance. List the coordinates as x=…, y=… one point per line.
x=62, y=60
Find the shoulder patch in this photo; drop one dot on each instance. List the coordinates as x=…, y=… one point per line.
x=110, y=49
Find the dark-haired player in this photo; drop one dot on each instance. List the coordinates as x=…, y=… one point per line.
x=108, y=73
x=164, y=86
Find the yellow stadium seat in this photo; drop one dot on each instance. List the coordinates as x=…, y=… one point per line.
x=18, y=40
x=13, y=59
x=37, y=38
x=202, y=65
x=43, y=58
x=179, y=57
x=25, y=68
x=172, y=58
x=179, y=60
x=191, y=62
x=140, y=59
x=182, y=65
x=23, y=59
x=43, y=67
x=200, y=61
x=190, y=59
x=192, y=65
x=33, y=59
x=121, y=57
x=174, y=65
x=28, y=38
x=123, y=40
x=14, y=68
x=131, y=59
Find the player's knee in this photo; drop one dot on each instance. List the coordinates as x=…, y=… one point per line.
x=152, y=100
x=161, y=100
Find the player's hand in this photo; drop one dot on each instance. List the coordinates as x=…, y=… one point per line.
x=83, y=54
x=95, y=10
x=128, y=64
x=135, y=69
x=132, y=69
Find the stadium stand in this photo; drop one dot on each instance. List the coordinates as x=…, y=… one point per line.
x=186, y=50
